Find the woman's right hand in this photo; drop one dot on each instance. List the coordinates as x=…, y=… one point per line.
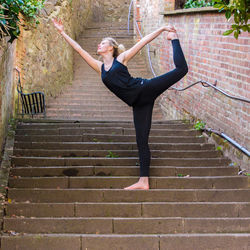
x=170, y=28
x=58, y=24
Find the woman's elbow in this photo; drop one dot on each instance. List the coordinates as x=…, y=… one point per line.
x=185, y=69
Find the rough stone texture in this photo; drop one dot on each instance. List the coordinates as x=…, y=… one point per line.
x=45, y=59
x=210, y=56
x=41, y=242
x=7, y=54
x=208, y=242
x=140, y=242
x=116, y=10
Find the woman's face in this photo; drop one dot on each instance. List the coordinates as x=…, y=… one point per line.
x=103, y=47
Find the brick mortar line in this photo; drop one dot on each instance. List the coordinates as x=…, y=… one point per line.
x=74, y=209
x=81, y=242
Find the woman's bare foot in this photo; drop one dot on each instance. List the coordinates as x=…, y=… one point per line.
x=142, y=184
x=172, y=35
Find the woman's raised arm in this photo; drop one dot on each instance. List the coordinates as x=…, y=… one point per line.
x=92, y=62
x=130, y=53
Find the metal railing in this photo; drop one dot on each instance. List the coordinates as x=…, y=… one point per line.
x=204, y=84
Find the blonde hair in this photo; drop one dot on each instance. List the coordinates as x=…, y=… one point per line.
x=118, y=48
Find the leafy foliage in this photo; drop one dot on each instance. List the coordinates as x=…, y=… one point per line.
x=239, y=10
x=199, y=125
x=219, y=148
x=111, y=155
x=9, y=15
x=197, y=4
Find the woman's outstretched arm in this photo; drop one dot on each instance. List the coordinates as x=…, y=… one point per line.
x=129, y=54
x=92, y=62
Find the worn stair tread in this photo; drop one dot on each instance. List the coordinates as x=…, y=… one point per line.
x=133, y=177
x=54, y=195
x=209, y=241
x=113, y=145
x=56, y=121
x=119, y=182
x=96, y=125
x=121, y=171
x=116, y=153
x=115, y=128
x=128, y=225
x=18, y=137
x=132, y=209
x=122, y=161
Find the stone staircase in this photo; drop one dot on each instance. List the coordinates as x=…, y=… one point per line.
x=66, y=190
x=66, y=183
x=88, y=97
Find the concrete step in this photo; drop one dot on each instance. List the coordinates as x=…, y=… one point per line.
x=117, y=153
x=83, y=121
x=125, y=115
x=111, y=146
x=97, y=124
x=217, y=182
x=85, y=101
x=121, y=195
x=210, y=241
x=86, y=113
x=94, y=106
x=107, y=138
x=163, y=225
x=93, y=110
x=97, y=116
x=133, y=210
x=77, y=117
x=113, y=161
x=110, y=130
x=104, y=95
x=121, y=171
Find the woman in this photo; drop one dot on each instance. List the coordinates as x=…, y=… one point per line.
x=136, y=92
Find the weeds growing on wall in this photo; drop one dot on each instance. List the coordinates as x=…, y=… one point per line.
x=10, y=11
x=199, y=125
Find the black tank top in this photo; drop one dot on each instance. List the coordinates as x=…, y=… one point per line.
x=121, y=83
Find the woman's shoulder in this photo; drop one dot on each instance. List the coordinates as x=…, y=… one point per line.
x=120, y=59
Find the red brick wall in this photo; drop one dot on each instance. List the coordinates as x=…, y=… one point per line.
x=210, y=56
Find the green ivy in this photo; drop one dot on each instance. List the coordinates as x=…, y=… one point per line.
x=239, y=10
x=197, y=4
x=9, y=15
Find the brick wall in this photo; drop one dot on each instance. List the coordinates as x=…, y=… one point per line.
x=210, y=57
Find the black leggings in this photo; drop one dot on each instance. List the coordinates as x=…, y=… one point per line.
x=142, y=109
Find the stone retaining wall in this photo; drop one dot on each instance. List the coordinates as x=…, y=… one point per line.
x=7, y=56
x=45, y=59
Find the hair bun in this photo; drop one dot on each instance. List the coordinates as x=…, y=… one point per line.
x=121, y=48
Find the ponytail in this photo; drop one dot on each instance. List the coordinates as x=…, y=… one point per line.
x=121, y=48
x=118, y=48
